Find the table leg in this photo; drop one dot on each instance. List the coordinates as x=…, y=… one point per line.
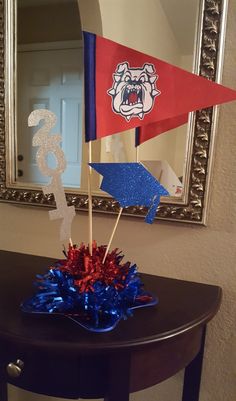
x=119, y=378
x=192, y=375
x=3, y=391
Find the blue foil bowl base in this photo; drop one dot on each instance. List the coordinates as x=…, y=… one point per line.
x=99, y=322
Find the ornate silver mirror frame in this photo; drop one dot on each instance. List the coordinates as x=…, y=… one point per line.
x=193, y=206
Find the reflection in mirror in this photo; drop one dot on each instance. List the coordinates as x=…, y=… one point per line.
x=50, y=75
x=169, y=150
x=166, y=30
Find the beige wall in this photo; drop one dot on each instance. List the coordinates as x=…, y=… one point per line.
x=204, y=254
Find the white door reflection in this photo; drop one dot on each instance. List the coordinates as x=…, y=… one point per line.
x=50, y=76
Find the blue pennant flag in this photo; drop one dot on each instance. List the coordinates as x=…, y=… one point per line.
x=131, y=184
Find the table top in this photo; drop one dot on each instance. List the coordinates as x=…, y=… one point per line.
x=182, y=306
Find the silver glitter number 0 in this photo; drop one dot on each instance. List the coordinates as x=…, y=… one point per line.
x=50, y=144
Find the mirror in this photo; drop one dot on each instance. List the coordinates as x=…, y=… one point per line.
x=44, y=69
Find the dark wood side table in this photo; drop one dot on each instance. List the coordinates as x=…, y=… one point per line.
x=61, y=359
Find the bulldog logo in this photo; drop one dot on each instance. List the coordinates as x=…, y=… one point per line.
x=134, y=90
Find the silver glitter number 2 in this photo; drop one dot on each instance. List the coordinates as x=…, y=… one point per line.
x=50, y=144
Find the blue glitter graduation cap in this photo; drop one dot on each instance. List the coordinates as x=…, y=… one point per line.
x=131, y=184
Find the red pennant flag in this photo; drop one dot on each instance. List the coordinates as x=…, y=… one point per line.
x=125, y=89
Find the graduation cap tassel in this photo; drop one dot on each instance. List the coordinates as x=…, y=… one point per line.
x=90, y=200
x=152, y=210
x=112, y=235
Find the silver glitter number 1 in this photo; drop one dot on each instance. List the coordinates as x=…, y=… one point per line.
x=50, y=144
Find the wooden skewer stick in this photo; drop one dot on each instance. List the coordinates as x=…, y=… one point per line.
x=90, y=200
x=116, y=224
x=112, y=235
x=118, y=217
x=137, y=154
